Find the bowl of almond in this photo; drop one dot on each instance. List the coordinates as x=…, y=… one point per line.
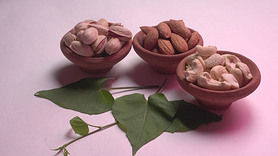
x=96, y=46
x=217, y=78
x=163, y=46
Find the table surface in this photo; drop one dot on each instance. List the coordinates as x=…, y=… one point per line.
x=31, y=60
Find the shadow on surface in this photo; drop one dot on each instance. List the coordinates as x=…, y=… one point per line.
x=143, y=75
x=235, y=118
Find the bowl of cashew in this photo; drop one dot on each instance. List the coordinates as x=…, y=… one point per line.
x=217, y=78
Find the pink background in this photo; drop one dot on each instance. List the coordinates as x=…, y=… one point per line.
x=31, y=60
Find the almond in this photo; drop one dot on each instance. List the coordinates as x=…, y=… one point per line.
x=165, y=47
x=179, y=28
x=146, y=29
x=193, y=40
x=179, y=43
x=164, y=30
x=151, y=39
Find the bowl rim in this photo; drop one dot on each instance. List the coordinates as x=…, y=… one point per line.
x=253, y=84
x=142, y=49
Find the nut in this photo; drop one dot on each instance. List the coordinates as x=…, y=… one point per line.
x=164, y=30
x=102, y=30
x=245, y=70
x=230, y=79
x=204, y=80
x=165, y=47
x=193, y=40
x=81, y=49
x=146, y=29
x=193, y=71
x=206, y=51
x=237, y=73
x=80, y=26
x=151, y=39
x=103, y=22
x=179, y=43
x=214, y=60
x=112, y=46
x=217, y=71
x=179, y=28
x=89, y=36
x=68, y=38
x=119, y=32
x=230, y=61
x=98, y=45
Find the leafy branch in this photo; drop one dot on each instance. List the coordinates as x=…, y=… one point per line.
x=77, y=125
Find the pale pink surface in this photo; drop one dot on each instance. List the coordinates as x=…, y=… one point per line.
x=31, y=61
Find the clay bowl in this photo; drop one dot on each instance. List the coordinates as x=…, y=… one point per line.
x=96, y=64
x=165, y=64
x=217, y=100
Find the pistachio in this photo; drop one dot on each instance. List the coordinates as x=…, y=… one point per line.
x=119, y=32
x=68, y=38
x=81, y=49
x=78, y=35
x=114, y=24
x=98, y=45
x=80, y=26
x=112, y=46
x=103, y=22
x=89, y=36
x=102, y=30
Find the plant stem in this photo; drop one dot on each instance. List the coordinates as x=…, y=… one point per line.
x=160, y=89
x=93, y=132
x=134, y=87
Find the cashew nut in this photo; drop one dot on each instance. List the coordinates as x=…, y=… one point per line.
x=230, y=61
x=213, y=60
x=237, y=73
x=245, y=70
x=193, y=71
x=204, y=80
x=190, y=58
x=217, y=71
x=230, y=79
x=206, y=51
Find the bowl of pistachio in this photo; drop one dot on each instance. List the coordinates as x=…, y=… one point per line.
x=163, y=46
x=96, y=46
x=217, y=78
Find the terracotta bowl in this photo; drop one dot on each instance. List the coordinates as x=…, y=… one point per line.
x=216, y=100
x=165, y=64
x=96, y=64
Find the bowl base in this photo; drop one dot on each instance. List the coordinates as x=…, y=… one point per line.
x=96, y=71
x=163, y=70
x=213, y=105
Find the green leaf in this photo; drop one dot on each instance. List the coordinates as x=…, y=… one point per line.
x=190, y=117
x=79, y=126
x=85, y=96
x=143, y=120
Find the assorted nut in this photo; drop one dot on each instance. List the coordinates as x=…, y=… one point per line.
x=169, y=37
x=208, y=69
x=97, y=38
